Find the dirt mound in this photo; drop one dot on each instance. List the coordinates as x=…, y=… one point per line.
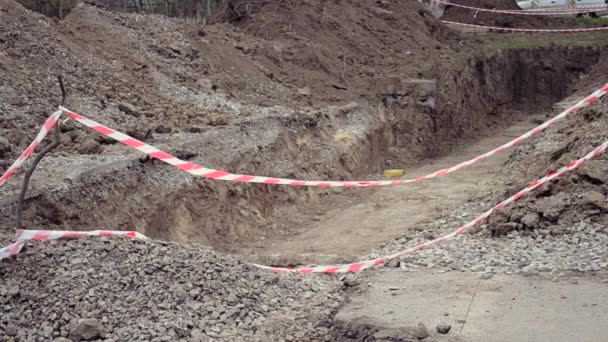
x=580, y=196
x=465, y=15
x=229, y=84
x=123, y=290
x=144, y=72
x=335, y=48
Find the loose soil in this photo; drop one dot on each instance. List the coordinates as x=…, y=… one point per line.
x=388, y=213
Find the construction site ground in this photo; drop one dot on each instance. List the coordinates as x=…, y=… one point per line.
x=318, y=90
x=387, y=213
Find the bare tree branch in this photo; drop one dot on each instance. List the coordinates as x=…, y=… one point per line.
x=28, y=175
x=32, y=168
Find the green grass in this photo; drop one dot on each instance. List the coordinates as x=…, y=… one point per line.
x=587, y=21
x=533, y=44
x=516, y=45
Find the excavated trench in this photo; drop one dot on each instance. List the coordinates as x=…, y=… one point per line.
x=409, y=121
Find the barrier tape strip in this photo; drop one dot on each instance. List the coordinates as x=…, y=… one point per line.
x=46, y=128
x=362, y=265
x=222, y=175
x=12, y=249
x=521, y=12
x=201, y=171
x=526, y=30
x=23, y=235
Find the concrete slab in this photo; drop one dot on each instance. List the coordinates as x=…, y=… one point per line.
x=503, y=308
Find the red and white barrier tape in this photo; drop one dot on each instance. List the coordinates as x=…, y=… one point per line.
x=361, y=265
x=23, y=235
x=223, y=175
x=12, y=249
x=46, y=128
x=526, y=30
x=521, y=12
x=198, y=170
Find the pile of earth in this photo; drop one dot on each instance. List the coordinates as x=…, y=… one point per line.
x=154, y=75
x=470, y=16
x=578, y=196
x=170, y=82
x=116, y=289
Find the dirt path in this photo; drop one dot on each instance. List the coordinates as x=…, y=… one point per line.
x=390, y=211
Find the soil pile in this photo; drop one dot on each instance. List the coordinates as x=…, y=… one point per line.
x=239, y=93
x=579, y=196
x=162, y=75
x=337, y=48
x=123, y=290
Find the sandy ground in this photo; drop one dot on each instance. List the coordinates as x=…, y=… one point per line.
x=391, y=211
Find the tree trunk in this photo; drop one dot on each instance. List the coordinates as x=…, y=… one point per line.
x=207, y=12
x=198, y=12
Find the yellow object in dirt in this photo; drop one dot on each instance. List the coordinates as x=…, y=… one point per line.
x=394, y=173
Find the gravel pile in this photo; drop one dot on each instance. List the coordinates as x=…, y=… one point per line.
x=114, y=289
x=557, y=228
x=583, y=248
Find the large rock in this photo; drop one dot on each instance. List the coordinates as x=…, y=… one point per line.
x=499, y=216
x=11, y=330
x=443, y=328
x=5, y=147
x=530, y=220
x=594, y=200
x=595, y=170
x=421, y=331
x=86, y=330
x=503, y=228
x=551, y=207
x=129, y=109
x=90, y=146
